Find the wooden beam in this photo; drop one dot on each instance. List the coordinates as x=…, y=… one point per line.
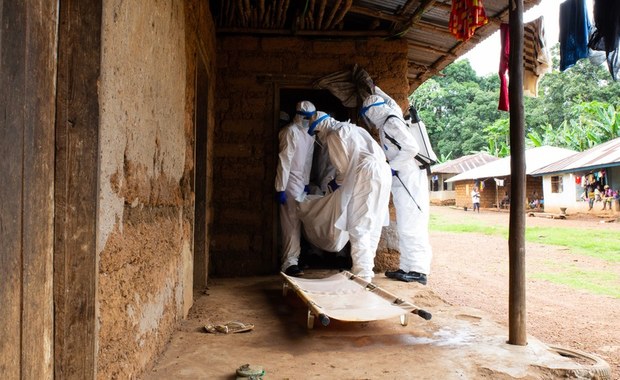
x=301, y=33
x=27, y=51
x=376, y=14
x=38, y=179
x=417, y=66
x=417, y=15
x=407, y=7
x=13, y=16
x=343, y=12
x=332, y=13
x=440, y=29
x=77, y=131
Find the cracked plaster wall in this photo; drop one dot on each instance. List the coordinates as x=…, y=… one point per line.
x=144, y=229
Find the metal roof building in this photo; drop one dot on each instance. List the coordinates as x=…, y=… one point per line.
x=600, y=156
x=463, y=164
x=535, y=158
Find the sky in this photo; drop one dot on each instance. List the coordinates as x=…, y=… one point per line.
x=484, y=58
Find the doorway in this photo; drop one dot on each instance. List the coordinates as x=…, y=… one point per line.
x=312, y=256
x=201, y=259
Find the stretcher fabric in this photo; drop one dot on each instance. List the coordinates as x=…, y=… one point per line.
x=347, y=297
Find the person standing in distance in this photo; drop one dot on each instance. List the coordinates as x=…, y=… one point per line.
x=410, y=192
x=292, y=178
x=475, y=199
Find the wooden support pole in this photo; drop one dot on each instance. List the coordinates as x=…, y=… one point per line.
x=332, y=13
x=319, y=19
x=516, y=234
x=75, y=193
x=343, y=12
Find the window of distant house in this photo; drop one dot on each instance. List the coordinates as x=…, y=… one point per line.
x=556, y=184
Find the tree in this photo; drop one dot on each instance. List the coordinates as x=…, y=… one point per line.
x=576, y=109
x=498, y=138
x=456, y=110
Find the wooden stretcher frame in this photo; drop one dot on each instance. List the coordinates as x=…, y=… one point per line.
x=315, y=310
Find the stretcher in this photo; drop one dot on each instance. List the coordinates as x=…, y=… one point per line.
x=347, y=297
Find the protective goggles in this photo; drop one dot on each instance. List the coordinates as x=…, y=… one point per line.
x=306, y=114
x=363, y=110
x=315, y=123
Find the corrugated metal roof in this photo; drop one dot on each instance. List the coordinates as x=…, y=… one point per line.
x=603, y=155
x=422, y=23
x=463, y=164
x=535, y=158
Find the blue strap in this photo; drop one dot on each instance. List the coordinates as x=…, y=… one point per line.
x=307, y=114
x=365, y=109
x=315, y=123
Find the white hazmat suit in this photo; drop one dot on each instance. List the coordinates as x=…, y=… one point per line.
x=364, y=179
x=293, y=174
x=409, y=185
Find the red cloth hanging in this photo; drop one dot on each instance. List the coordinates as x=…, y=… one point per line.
x=504, y=60
x=466, y=16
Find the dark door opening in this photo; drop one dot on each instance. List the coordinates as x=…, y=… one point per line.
x=312, y=256
x=201, y=259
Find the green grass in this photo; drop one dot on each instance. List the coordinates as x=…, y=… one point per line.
x=602, y=244
x=440, y=224
x=595, y=282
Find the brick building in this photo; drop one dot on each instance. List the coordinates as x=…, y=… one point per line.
x=493, y=191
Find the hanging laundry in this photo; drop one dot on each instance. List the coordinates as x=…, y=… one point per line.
x=574, y=32
x=466, y=17
x=504, y=60
x=536, y=57
x=607, y=34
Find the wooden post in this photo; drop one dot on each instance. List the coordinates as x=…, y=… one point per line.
x=27, y=102
x=496, y=194
x=75, y=194
x=516, y=238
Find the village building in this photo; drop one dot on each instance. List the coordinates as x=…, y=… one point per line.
x=442, y=192
x=493, y=179
x=565, y=182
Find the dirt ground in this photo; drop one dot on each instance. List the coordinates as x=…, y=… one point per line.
x=472, y=270
x=467, y=294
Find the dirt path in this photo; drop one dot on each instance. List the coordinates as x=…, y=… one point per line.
x=472, y=270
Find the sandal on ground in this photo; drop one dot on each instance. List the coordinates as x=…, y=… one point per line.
x=229, y=328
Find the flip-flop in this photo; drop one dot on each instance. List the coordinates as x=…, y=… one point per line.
x=229, y=328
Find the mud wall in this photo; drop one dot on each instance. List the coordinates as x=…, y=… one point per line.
x=251, y=71
x=146, y=199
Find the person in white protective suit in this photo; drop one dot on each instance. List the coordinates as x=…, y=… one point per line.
x=410, y=192
x=292, y=178
x=363, y=177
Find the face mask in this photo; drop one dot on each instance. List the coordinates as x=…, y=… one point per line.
x=305, y=123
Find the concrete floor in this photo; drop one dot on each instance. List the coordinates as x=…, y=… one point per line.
x=457, y=343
